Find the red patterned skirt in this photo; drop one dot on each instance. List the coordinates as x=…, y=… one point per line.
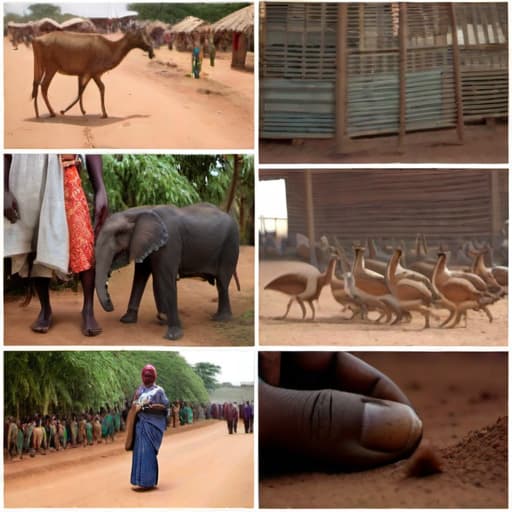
x=81, y=234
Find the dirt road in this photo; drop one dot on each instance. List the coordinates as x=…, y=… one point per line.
x=151, y=104
x=197, y=302
x=483, y=144
x=99, y=476
x=462, y=400
x=332, y=327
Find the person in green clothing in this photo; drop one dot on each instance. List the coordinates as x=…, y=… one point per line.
x=74, y=431
x=186, y=414
x=20, y=440
x=108, y=425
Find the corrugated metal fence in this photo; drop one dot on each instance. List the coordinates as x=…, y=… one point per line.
x=298, y=72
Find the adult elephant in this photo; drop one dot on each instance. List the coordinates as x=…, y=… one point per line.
x=169, y=243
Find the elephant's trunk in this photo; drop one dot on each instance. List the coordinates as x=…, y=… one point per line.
x=101, y=282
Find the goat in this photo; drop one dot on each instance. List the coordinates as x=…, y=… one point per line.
x=84, y=55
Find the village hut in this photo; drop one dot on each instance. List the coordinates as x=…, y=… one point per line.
x=239, y=26
x=78, y=25
x=346, y=70
x=156, y=31
x=45, y=25
x=20, y=33
x=185, y=32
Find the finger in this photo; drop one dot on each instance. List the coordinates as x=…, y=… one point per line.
x=336, y=428
x=337, y=370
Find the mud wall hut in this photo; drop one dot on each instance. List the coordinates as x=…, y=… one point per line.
x=360, y=69
x=239, y=26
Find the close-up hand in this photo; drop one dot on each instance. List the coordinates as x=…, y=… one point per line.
x=333, y=410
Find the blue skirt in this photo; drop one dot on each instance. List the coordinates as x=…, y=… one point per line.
x=148, y=438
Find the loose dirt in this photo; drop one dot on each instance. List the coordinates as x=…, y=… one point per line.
x=462, y=401
x=151, y=104
x=334, y=327
x=483, y=144
x=197, y=303
x=99, y=476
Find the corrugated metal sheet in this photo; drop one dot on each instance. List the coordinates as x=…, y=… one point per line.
x=357, y=204
x=298, y=70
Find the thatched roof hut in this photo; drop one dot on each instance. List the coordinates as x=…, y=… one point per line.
x=156, y=30
x=20, y=33
x=183, y=32
x=78, y=25
x=239, y=21
x=46, y=25
x=238, y=25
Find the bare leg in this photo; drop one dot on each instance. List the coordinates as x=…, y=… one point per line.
x=90, y=326
x=44, y=320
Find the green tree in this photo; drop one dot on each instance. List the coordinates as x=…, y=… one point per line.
x=208, y=373
x=39, y=11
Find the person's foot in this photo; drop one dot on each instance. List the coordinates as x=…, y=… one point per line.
x=90, y=326
x=43, y=323
x=140, y=488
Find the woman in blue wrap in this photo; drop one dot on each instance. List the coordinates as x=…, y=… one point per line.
x=152, y=404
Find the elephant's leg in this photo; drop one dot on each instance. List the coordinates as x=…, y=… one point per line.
x=140, y=278
x=224, y=307
x=165, y=284
x=161, y=308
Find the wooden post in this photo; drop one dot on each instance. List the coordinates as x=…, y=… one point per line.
x=310, y=213
x=457, y=75
x=341, y=78
x=402, y=30
x=496, y=213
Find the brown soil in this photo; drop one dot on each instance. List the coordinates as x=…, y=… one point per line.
x=151, y=104
x=462, y=400
x=333, y=327
x=196, y=300
x=99, y=476
x=483, y=144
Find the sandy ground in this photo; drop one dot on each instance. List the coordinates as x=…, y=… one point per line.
x=99, y=476
x=196, y=300
x=483, y=144
x=333, y=327
x=151, y=104
x=462, y=400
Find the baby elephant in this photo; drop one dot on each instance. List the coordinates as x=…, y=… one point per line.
x=169, y=243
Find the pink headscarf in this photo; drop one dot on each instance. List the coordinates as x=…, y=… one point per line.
x=148, y=375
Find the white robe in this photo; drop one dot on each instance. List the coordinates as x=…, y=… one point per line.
x=37, y=183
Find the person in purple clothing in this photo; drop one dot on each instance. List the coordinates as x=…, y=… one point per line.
x=248, y=416
x=150, y=425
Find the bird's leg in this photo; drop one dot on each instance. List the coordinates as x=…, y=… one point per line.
x=310, y=302
x=287, y=309
x=302, y=307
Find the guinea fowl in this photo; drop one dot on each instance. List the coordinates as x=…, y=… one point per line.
x=302, y=286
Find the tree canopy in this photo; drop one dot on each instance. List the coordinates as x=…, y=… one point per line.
x=174, y=12
x=136, y=180
x=208, y=373
x=71, y=381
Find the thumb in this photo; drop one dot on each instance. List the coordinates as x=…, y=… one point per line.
x=336, y=428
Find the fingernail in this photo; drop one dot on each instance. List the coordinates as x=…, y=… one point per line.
x=390, y=426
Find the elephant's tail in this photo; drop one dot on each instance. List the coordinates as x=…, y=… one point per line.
x=235, y=275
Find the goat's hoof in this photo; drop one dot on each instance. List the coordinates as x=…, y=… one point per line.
x=62, y=112
x=53, y=114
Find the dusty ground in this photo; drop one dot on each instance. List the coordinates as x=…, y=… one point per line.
x=196, y=300
x=483, y=144
x=462, y=400
x=151, y=104
x=333, y=327
x=99, y=476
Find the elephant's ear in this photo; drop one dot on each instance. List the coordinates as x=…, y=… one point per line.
x=149, y=235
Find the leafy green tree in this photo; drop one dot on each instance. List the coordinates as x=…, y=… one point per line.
x=173, y=12
x=72, y=381
x=208, y=373
x=38, y=11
